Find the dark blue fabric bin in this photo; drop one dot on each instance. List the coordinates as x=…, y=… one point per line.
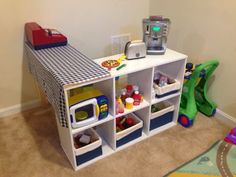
x=80, y=159
x=161, y=120
x=135, y=134
x=166, y=94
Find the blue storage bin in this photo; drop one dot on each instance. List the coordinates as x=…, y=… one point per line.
x=90, y=151
x=163, y=116
x=130, y=133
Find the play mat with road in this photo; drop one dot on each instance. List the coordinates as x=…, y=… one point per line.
x=219, y=160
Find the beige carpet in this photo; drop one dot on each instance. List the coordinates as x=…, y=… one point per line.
x=29, y=147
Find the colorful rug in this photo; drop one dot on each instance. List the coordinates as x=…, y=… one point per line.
x=219, y=160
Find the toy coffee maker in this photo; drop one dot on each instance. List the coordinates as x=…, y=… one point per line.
x=155, y=32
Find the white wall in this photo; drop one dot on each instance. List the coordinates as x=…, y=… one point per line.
x=204, y=30
x=87, y=24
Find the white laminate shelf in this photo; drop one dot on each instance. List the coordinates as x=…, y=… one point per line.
x=144, y=63
x=77, y=130
x=142, y=105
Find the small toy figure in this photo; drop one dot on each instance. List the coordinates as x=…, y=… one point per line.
x=163, y=81
x=231, y=137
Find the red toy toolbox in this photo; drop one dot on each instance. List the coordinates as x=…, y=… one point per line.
x=41, y=38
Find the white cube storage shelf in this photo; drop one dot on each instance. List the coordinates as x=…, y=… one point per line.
x=137, y=72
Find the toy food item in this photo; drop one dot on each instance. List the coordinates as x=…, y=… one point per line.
x=129, y=103
x=85, y=139
x=137, y=98
x=123, y=123
x=154, y=109
x=119, y=106
x=129, y=89
x=123, y=95
x=82, y=140
x=109, y=64
x=130, y=121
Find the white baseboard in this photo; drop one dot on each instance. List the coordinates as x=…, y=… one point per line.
x=225, y=118
x=18, y=108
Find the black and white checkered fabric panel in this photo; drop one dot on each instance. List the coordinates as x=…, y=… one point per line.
x=59, y=66
x=69, y=66
x=49, y=85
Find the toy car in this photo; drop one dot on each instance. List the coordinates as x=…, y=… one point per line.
x=231, y=137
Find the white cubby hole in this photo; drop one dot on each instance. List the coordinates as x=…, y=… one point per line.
x=137, y=72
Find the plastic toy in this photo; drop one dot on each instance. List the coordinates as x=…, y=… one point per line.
x=231, y=137
x=129, y=89
x=163, y=81
x=119, y=106
x=124, y=122
x=123, y=95
x=85, y=139
x=130, y=97
x=41, y=38
x=120, y=67
x=194, y=95
x=137, y=98
x=82, y=140
x=129, y=102
x=154, y=108
x=109, y=64
x=86, y=106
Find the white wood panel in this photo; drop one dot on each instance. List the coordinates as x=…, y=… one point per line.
x=107, y=88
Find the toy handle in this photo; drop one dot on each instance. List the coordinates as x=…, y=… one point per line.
x=210, y=65
x=97, y=110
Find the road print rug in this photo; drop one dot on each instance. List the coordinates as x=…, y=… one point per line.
x=217, y=161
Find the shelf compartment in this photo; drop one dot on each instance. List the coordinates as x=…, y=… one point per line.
x=162, y=117
x=125, y=136
x=90, y=151
x=142, y=105
x=108, y=118
x=173, y=85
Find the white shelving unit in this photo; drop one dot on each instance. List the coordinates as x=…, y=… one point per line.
x=139, y=72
